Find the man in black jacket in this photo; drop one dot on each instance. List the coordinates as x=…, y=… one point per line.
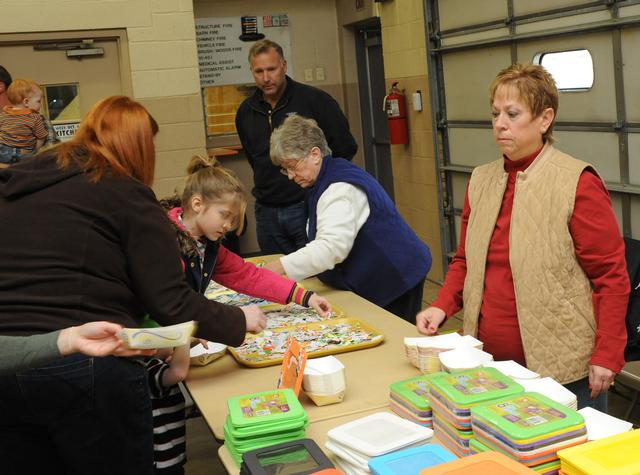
x=280, y=210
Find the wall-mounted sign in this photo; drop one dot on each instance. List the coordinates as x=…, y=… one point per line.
x=224, y=44
x=66, y=131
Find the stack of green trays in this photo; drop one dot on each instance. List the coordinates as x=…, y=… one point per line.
x=453, y=395
x=410, y=399
x=530, y=428
x=262, y=419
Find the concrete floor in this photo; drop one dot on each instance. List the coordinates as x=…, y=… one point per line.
x=202, y=448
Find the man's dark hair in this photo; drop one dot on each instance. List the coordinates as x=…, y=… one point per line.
x=5, y=77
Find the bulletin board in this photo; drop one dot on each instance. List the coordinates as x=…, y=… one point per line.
x=224, y=43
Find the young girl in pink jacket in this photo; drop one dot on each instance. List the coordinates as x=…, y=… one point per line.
x=212, y=203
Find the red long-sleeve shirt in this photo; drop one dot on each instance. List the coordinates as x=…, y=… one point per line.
x=599, y=250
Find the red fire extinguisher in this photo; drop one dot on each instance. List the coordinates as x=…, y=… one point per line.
x=395, y=107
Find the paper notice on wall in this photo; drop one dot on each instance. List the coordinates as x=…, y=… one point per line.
x=224, y=44
x=66, y=131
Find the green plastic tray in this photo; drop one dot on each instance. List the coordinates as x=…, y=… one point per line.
x=242, y=433
x=527, y=416
x=415, y=391
x=474, y=386
x=279, y=408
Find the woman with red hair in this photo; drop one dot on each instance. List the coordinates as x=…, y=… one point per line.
x=85, y=239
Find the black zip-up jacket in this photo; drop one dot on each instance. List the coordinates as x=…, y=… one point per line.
x=256, y=120
x=73, y=251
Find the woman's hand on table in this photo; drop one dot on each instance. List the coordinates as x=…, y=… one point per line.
x=320, y=305
x=600, y=379
x=274, y=266
x=429, y=319
x=256, y=320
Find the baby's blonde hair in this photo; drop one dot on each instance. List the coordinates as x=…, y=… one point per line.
x=213, y=182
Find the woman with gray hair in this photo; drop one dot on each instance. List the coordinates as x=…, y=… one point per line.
x=357, y=239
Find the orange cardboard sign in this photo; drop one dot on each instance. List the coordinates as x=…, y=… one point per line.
x=292, y=371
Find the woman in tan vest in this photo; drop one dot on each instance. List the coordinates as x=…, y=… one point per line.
x=540, y=268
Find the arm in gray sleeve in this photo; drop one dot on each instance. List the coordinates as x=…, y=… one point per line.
x=19, y=353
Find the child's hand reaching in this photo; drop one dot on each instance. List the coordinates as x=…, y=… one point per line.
x=320, y=305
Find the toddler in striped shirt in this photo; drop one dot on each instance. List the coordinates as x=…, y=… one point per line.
x=22, y=129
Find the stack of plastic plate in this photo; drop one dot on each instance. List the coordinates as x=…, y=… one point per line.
x=552, y=389
x=423, y=351
x=410, y=399
x=615, y=455
x=262, y=419
x=530, y=428
x=410, y=461
x=355, y=442
x=491, y=463
x=453, y=395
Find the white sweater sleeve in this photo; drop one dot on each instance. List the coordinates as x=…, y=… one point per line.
x=342, y=210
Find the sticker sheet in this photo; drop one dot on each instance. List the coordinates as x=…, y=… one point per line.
x=320, y=338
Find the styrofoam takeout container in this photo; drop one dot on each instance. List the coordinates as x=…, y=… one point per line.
x=201, y=356
x=324, y=376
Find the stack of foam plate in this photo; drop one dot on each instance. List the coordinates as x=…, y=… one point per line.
x=355, y=442
x=262, y=419
x=463, y=358
x=453, y=395
x=615, y=455
x=410, y=461
x=601, y=425
x=512, y=369
x=552, y=389
x=530, y=428
x=410, y=399
x=423, y=351
x=492, y=463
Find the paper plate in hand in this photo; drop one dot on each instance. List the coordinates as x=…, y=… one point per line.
x=158, y=337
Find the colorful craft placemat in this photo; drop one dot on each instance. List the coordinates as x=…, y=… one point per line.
x=328, y=337
x=281, y=316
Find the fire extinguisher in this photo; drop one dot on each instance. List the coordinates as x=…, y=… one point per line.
x=395, y=107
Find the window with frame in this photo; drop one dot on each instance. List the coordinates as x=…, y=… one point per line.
x=572, y=70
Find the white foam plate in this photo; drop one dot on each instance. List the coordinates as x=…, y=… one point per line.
x=378, y=434
x=512, y=369
x=551, y=388
x=601, y=425
x=465, y=357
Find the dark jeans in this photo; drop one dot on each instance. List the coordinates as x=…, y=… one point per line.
x=581, y=389
x=9, y=155
x=79, y=415
x=408, y=304
x=281, y=230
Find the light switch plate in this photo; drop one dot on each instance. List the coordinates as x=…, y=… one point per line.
x=308, y=75
x=320, y=74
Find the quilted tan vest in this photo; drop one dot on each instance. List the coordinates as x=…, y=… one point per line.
x=553, y=294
